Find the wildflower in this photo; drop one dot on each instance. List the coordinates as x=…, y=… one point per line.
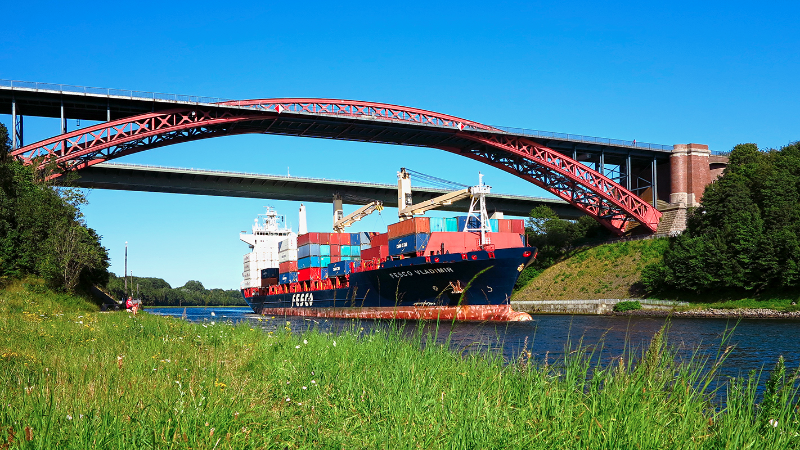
x=69, y=417
x=296, y=346
x=773, y=422
x=212, y=323
x=334, y=343
x=305, y=342
x=206, y=423
x=299, y=404
x=288, y=399
x=313, y=382
x=304, y=388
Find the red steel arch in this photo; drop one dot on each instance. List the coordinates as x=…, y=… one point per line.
x=586, y=189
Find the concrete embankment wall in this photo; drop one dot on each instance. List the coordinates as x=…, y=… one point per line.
x=598, y=306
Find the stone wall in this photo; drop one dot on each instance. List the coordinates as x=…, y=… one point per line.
x=599, y=306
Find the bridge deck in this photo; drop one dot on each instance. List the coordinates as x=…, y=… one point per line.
x=133, y=177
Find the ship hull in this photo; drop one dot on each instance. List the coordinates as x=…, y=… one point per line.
x=474, y=286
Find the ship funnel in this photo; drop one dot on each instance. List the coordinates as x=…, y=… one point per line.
x=302, y=227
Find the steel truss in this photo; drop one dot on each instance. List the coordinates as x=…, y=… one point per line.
x=596, y=195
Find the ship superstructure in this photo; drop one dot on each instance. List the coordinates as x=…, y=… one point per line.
x=268, y=230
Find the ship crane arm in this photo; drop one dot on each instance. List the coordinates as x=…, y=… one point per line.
x=357, y=215
x=445, y=199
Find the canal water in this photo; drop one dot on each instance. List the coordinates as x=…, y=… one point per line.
x=757, y=342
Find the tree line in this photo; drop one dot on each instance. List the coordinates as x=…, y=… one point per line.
x=42, y=230
x=744, y=235
x=157, y=292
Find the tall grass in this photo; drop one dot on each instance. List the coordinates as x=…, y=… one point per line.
x=76, y=378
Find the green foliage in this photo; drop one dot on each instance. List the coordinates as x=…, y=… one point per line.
x=157, y=292
x=744, y=235
x=42, y=230
x=554, y=237
x=627, y=306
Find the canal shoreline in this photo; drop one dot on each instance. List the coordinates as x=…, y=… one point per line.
x=650, y=308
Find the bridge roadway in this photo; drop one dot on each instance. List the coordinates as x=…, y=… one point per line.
x=132, y=177
x=103, y=105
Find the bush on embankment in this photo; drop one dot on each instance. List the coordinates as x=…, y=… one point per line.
x=76, y=378
x=605, y=271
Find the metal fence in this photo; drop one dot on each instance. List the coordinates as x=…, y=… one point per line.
x=178, y=98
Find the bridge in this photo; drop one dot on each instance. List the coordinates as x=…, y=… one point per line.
x=134, y=177
x=614, y=181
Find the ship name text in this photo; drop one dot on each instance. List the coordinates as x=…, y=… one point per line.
x=411, y=273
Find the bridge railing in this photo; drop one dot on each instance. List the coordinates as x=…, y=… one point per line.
x=178, y=98
x=582, y=138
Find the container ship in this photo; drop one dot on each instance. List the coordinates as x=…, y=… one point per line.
x=423, y=268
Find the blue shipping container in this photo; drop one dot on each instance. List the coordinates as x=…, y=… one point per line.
x=355, y=250
x=324, y=250
x=355, y=239
x=324, y=261
x=304, y=251
x=288, y=277
x=438, y=224
x=338, y=268
x=494, y=226
x=269, y=273
x=408, y=244
x=323, y=272
x=363, y=238
x=345, y=250
x=475, y=223
x=364, y=246
x=451, y=224
x=311, y=261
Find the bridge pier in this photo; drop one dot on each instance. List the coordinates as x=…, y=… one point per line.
x=692, y=168
x=16, y=125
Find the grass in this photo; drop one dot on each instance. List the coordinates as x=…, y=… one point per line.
x=604, y=271
x=77, y=378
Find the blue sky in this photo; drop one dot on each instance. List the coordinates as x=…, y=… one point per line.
x=717, y=73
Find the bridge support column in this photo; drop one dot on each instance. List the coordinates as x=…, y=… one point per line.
x=63, y=119
x=16, y=126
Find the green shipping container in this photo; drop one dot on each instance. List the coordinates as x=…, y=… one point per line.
x=355, y=250
x=345, y=250
x=324, y=261
x=438, y=224
x=451, y=224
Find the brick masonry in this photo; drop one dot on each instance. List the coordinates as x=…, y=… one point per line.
x=692, y=168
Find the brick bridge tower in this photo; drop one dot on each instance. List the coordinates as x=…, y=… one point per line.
x=692, y=168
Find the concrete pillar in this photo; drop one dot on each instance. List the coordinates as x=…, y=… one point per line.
x=689, y=173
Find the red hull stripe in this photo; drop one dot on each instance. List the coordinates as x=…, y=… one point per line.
x=476, y=313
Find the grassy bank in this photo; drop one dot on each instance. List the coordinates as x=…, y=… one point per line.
x=604, y=271
x=74, y=377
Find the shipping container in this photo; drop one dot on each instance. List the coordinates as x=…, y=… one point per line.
x=338, y=269
x=310, y=274
x=344, y=250
x=288, y=255
x=288, y=266
x=408, y=244
x=380, y=252
x=355, y=250
x=506, y=240
x=336, y=259
x=266, y=282
x=304, y=251
x=290, y=243
x=289, y=277
x=335, y=250
x=271, y=272
x=344, y=238
x=308, y=238
x=438, y=224
x=518, y=226
x=365, y=246
x=324, y=250
x=380, y=239
x=325, y=238
x=355, y=239
x=334, y=239
x=324, y=261
x=323, y=273
x=504, y=225
x=409, y=227
x=443, y=243
x=364, y=237
x=311, y=261
x=451, y=224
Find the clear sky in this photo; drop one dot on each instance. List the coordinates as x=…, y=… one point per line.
x=717, y=73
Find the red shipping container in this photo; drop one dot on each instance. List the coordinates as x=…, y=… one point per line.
x=518, y=226
x=335, y=259
x=411, y=226
x=288, y=266
x=324, y=238
x=381, y=252
x=267, y=282
x=504, y=225
x=344, y=238
x=310, y=274
x=336, y=238
x=505, y=240
x=308, y=238
x=380, y=239
x=335, y=250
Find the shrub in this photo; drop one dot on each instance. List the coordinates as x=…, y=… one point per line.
x=627, y=306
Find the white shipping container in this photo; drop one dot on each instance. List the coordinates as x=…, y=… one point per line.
x=288, y=255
